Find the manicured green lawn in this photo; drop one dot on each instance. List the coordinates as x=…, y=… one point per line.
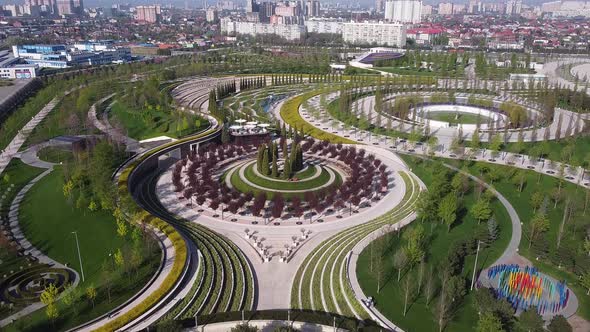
x=243, y=187
x=279, y=185
x=47, y=219
x=50, y=228
x=578, y=223
x=144, y=124
x=420, y=317
x=451, y=117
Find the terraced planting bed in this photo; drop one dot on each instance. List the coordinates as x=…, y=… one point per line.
x=321, y=282
x=224, y=279
x=315, y=182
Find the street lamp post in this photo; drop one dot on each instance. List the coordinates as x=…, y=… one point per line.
x=475, y=265
x=79, y=256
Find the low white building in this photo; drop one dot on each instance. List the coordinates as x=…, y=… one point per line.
x=287, y=31
x=378, y=33
x=316, y=25
x=14, y=68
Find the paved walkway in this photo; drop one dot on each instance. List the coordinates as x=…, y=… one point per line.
x=576, y=175
x=550, y=69
x=569, y=120
x=17, y=142
x=105, y=127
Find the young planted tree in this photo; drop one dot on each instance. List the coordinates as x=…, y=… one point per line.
x=531, y=321
x=91, y=294
x=400, y=260
x=539, y=224
x=408, y=292
x=447, y=210
x=559, y=324
x=278, y=204
x=430, y=287
x=481, y=210
x=489, y=322
x=537, y=199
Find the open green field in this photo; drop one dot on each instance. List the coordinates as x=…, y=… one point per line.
x=439, y=244
x=456, y=118
x=241, y=186
x=144, y=124
x=55, y=155
x=49, y=229
x=286, y=185
x=568, y=255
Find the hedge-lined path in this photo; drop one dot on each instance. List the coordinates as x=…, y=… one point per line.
x=223, y=280
x=105, y=126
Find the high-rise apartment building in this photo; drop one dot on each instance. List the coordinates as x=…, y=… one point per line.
x=445, y=8
x=149, y=14
x=379, y=6
x=513, y=7
x=211, y=15
x=65, y=7
x=382, y=34
x=404, y=11
x=312, y=8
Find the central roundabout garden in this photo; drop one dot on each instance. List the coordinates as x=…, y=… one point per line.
x=283, y=180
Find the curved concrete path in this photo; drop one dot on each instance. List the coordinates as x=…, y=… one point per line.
x=105, y=127
x=30, y=158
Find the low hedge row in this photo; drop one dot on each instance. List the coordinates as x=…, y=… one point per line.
x=295, y=315
x=290, y=114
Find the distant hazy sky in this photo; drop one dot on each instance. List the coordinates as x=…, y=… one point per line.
x=198, y=3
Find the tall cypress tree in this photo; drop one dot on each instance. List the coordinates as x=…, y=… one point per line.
x=286, y=170
x=293, y=158
x=299, y=158
x=259, y=158
x=265, y=168
x=275, y=169
x=285, y=151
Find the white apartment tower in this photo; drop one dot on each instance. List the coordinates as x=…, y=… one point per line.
x=404, y=11
x=379, y=33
